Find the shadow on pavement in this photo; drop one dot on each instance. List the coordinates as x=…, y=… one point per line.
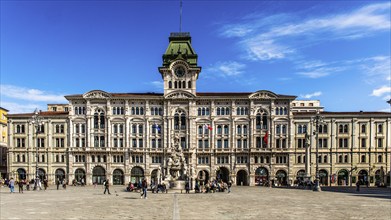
x=375, y=192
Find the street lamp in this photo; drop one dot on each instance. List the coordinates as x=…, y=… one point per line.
x=37, y=122
x=317, y=119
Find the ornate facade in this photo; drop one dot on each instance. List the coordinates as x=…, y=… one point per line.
x=248, y=138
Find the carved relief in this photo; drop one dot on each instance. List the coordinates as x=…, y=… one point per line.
x=96, y=94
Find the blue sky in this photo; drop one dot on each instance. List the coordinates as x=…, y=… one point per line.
x=337, y=52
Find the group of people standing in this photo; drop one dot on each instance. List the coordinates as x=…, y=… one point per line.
x=20, y=183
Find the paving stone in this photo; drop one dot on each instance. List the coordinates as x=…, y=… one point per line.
x=242, y=203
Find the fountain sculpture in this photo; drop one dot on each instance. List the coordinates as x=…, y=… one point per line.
x=176, y=167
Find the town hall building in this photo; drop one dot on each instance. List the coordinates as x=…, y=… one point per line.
x=249, y=138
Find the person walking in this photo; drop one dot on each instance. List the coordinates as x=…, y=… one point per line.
x=229, y=186
x=20, y=184
x=12, y=185
x=187, y=187
x=358, y=186
x=58, y=183
x=144, y=186
x=106, y=183
x=45, y=184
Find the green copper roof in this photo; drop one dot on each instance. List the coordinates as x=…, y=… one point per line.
x=179, y=47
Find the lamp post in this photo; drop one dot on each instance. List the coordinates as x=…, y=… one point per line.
x=317, y=119
x=37, y=122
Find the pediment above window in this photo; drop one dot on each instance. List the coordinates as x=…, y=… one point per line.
x=263, y=94
x=179, y=95
x=96, y=94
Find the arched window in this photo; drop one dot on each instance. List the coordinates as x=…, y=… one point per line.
x=180, y=120
x=277, y=111
x=227, y=111
x=346, y=159
x=200, y=129
x=239, y=129
x=189, y=84
x=170, y=85
x=281, y=111
x=325, y=159
x=115, y=129
x=379, y=159
x=299, y=129
x=222, y=111
x=340, y=159
x=278, y=129
x=238, y=111
x=199, y=111
x=175, y=84
x=226, y=130
x=219, y=129
x=244, y=129
x=284, y=129
x=261, y=120
x=184, y=84
x=203, y=111
x=298, y=159
x=285, y=111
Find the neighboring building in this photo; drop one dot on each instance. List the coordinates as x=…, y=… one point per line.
x=306, y=106
x=3, y=142
x=58, y=107
x=248, y=137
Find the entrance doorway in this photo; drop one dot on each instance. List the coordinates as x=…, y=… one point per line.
x=203, y=177
x=323, y=177
x=21, y=174
x=281, y=178
x=98, y=175
x=261, y=176
x=363, y=177
x=79, y=175
x=136, y=175
x=222, y=174
x=241, y=178
x=60, y=174
x=118, y=177
x=343, y=178
x=41, y=174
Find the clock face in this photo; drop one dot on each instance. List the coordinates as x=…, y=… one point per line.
x=179, y=71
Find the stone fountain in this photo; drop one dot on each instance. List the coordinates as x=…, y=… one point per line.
x=176, y=167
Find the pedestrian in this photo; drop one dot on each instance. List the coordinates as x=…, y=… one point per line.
x=27, y=185
x=229, y=186
x=187, y=187
x=11, y=184
x=106, y=184
x=39, y=184
x=45, y=184
x=64, y=184
x=358, y=186
x=58, y=183
x=144, y=186
x=20, y=184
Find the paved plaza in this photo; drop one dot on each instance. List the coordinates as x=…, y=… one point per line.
x=242, y=203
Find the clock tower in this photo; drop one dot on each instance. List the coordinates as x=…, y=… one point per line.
x=179, y=70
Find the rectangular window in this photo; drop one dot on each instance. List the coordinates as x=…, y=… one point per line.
x=206, y=143
x=226, y=143
x=363, y=142
x=140, y=143
x=199, y=143
x=380, y=143
x=219, y=144
x=245, y=143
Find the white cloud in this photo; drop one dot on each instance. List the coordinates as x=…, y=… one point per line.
x=22, y=93
x=308, y=96
x=376, y=68
x=267, y=40
x=381, y=91
x=228, y=68
x=21, y=108
x=158, y=84
x=235, y=31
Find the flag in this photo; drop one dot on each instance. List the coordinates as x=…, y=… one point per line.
x=157, y=127
x=265, y=138
x=206, y=126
